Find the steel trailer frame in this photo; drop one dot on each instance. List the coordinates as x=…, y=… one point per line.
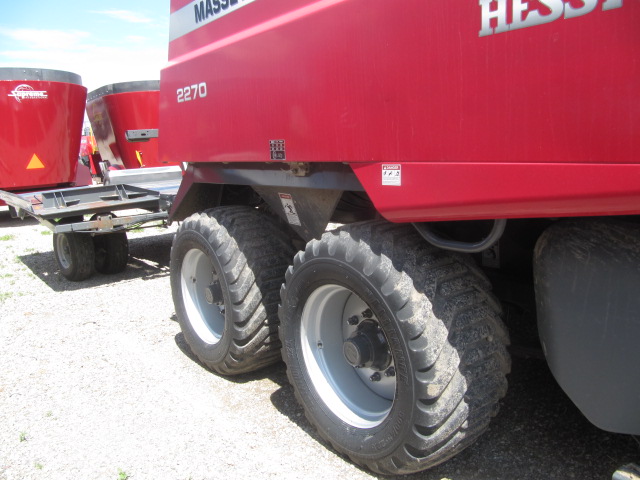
x=155, y=192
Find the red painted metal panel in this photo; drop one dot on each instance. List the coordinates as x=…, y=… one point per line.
x=415, y=81
x=178, y=4
x=465, y=191
x=40, y=128
x=114, y=109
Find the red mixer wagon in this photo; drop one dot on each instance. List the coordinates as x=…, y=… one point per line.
x=41, y=113
x=116, y=108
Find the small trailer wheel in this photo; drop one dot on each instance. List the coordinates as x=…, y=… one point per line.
x=112, y=252
x=75, y=255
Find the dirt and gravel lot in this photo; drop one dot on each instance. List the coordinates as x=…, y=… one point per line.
x=96, y=382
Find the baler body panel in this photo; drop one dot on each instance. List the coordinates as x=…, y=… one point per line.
x=482, y=123
x=41, y=113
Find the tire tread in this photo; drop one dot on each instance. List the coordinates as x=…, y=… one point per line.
x=254, y=252
x=439, y=298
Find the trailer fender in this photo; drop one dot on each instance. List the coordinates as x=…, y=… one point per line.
x=305, y=199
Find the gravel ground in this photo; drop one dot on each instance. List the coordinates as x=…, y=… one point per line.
x=96, y=382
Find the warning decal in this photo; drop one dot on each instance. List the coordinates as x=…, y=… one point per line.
x=277, y=150
x=35, y=163
x=392, y=174
x=290, y=209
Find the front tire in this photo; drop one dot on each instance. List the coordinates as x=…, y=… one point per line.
x=227, y=265
x=394, y=348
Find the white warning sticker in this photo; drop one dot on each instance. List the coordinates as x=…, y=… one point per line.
x=290, y=209
x=392, y=174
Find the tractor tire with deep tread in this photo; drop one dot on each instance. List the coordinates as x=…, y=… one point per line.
x=227, y=265
x=428, y=376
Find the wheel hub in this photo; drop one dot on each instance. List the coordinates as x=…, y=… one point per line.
x=213, y=293
x=202, y=294
x=330, y=319
x=367, y=347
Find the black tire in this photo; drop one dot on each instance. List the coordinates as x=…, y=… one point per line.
x=227, y=265
x=439, y=368
x=75, y=255
x=112, y=250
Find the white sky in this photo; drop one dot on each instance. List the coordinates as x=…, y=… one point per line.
x=103, y=41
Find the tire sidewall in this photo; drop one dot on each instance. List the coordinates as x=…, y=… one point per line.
x=374, y=442
x=70, y=270
x=185, y=241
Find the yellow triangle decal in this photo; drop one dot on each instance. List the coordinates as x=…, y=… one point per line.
x=35, y=163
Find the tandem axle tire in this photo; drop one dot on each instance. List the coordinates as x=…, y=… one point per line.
x=111, y=250
x=395, y=349
x=74, y=252
x=227, y=265
x=75, y=255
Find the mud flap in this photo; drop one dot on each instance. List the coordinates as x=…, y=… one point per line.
x=587, y=278
x=306, y=210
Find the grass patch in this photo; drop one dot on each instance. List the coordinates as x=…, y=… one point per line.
x=23, y=436
x=46, y=232
x=6, y=238
x=122, y=475
x=5, y=296
x=39, y=466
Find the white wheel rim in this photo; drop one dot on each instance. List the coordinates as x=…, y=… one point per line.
x=207, y=319
x=347, y=391
x=64, y=251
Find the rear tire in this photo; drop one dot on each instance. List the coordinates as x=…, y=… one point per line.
x=227, y=265
x=424, y=376
x=112, y=250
